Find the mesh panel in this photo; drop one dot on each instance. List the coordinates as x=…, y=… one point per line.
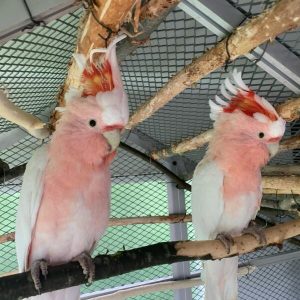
x=33, y=67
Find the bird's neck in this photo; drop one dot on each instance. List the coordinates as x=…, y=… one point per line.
x=235, y=154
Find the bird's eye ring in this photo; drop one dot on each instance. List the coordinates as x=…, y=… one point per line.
x=92, y=123
x=261, y=135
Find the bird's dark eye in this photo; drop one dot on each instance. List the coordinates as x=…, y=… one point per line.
x=261, y=135
x=92, y=123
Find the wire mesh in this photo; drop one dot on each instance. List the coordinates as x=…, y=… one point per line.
x=177, y=41
x=33, y=67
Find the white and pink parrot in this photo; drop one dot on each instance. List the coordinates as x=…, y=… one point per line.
x=226, y=186
x=65, y=197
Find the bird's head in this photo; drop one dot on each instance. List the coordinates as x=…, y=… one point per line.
x=246, y=117
x=97, y=113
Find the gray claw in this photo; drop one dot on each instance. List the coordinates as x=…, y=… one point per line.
x=257, y=232
x=86, y=262
x=226, y=239
x=36, y=267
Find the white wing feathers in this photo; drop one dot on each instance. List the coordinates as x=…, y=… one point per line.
x=29, y=203
x=207, y=199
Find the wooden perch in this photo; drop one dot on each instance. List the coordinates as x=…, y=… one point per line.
x=281, y=170
x=14, y=114
x=21, y=285
x=290, y=144
x=184, y=146
x=273, y=201
x=289, y=110
x=151, y=15
x=283, y=16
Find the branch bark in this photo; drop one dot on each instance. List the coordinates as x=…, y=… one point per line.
x=152, y=14
x=289, y=110
x=14, y=114
x=21, y=285
x=283, y=16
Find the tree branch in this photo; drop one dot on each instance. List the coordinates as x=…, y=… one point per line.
x=21, y=285
x=289, y=110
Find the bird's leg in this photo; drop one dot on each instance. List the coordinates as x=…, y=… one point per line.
x=36, y=267
x=86, y=262
x=226, y=239
x=255, y=231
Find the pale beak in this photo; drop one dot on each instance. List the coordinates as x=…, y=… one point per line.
x=113, y=138
x=273, y=149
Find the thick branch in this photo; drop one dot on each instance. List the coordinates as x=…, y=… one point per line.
x=281, y=170
x=21, y=286
x=283, y=16
x=290, y=144
x=152, y=14
x=14, y=114
x=289, y=110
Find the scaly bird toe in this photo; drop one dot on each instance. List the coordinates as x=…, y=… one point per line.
x=226, y=239
x=86, y=262
x=37, y=267
x=257, y=232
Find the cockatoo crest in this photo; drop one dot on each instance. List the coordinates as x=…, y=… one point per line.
x=102, y=76
x=242, y=98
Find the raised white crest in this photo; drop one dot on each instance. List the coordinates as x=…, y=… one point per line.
x=229, y=88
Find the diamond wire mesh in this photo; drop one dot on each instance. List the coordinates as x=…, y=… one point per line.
x=173, y=45
x=34, y=66
x=138, y=189
x=278, y=281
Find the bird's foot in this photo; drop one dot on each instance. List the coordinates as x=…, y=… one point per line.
x=86, y=262
x=257, y=232
x=36, y=267
x=226, y=239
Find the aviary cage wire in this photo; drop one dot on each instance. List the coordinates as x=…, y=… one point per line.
x=33, y=67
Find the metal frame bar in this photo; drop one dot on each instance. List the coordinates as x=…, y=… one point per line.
x=14, y=18
x=178, y=231
x=184, y=166
x=221, y=18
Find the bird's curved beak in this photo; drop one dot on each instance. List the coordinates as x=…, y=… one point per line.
x=113, y=138
x=273, y=149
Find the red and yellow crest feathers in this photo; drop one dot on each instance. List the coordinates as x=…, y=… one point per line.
x=97, y=79
x=246, y=102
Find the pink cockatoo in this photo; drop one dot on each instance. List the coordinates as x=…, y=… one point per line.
x=226, y=186
x=65, y=196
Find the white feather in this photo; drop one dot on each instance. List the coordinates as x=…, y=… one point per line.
x=224, y=92
x=207, y=199
x=72, y=94
x=266, y=104
x=29, y=203
x=214, y=109
x=108, y=49
x=80, y=61
x=260, y=117
x=237, y=78
x=230, y=86
x=220, y=101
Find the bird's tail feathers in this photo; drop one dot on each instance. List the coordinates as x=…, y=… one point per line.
x=220, y=278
